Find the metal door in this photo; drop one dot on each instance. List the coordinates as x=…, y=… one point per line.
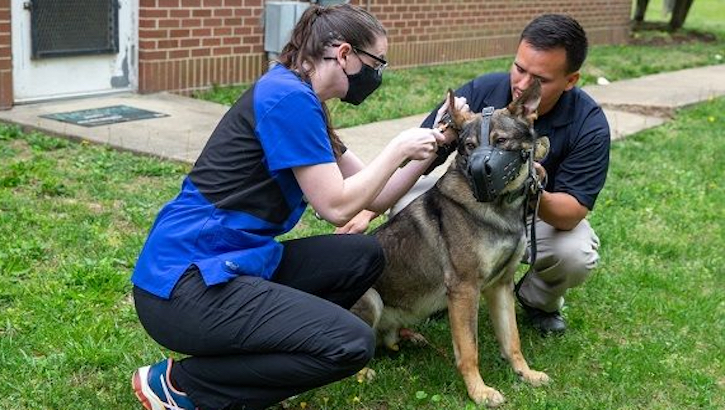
x=69, y=48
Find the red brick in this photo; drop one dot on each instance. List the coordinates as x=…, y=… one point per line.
x=179, y=13
x=201, y=32
x=169, y=23
x=146, y=34
x=147, y=44
x=200, y=52
x=147, y=24
x=6, y=89
x=223, y=31
x=179, y=33
x=167, y=3
x=168, y=43
x=212, y=41
x=191, y=23
x=152, y=13
x=201, y=13
x=177, y=54
x=219, y=51
x=223, y=12
x=212, y=22
x=231, y=40
x=151, y=55
x=189, y=42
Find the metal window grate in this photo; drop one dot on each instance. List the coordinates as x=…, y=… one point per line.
x=73, y=27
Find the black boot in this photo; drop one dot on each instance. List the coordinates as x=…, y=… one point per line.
x=545, y=322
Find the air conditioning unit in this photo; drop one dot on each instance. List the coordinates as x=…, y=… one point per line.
x=280, y=18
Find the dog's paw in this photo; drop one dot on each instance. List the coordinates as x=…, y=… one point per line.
x=365, y=374
x=535, y=378
x=412, y=336
x=487, y=396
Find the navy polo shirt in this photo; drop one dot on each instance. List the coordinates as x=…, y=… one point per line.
x=577, y=128
x=241, y=192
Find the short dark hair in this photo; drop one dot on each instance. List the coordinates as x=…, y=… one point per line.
x=551, y=31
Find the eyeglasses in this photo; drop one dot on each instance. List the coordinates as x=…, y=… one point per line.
x=380, y=67
x=382, y=64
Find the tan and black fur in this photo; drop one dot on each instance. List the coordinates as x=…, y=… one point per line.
x=444, y=249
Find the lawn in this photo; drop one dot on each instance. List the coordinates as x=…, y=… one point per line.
x=647, y=330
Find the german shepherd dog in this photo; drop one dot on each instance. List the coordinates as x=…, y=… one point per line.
x=445, y=248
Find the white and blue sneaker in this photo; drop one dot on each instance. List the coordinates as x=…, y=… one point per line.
x=154, y=390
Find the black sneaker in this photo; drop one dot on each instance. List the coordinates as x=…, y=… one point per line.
x=545, y=322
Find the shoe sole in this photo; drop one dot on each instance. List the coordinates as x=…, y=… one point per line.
x=142, y=390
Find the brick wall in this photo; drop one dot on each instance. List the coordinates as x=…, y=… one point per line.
x=435, y=31
x=6, y=64
x=186, y=45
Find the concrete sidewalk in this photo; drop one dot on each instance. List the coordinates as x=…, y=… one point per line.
x=630, y=106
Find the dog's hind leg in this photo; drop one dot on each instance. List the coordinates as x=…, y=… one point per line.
x=369, y=308
x=500, y=301
x=463, y=313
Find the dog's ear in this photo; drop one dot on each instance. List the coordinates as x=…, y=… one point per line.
x=459, y=117
x=526, y=105
x=542, y=148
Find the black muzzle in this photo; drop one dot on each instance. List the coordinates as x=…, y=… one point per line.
x=490, y=169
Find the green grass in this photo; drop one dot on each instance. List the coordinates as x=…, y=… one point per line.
x=417, y=90
x=647, y=330
x=704, y=14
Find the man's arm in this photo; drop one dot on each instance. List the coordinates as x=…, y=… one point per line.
x=561, y=210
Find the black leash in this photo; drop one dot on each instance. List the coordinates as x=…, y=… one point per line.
x=532, y=194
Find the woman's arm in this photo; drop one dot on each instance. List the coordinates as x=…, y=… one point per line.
x=338, y=199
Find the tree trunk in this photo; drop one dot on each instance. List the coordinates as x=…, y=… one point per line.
x=679, y=14
x=639, y=10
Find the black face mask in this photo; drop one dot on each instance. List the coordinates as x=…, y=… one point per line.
x=362, y=84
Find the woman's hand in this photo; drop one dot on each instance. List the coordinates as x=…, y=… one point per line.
x=461, y=105
x=418, y=143
x=358, y=224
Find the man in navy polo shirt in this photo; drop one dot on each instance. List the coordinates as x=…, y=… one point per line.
x=552, y=49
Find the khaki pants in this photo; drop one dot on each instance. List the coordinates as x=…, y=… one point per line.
x=564, y=259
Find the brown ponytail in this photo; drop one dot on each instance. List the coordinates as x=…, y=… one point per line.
x=320, y=27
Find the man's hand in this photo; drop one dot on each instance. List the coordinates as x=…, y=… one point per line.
x=540, y=174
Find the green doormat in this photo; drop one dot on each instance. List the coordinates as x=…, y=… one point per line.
x=103, y=116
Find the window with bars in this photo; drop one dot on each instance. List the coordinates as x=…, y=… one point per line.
x=73, y=27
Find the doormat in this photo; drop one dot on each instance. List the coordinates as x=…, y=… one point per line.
x=104, y=116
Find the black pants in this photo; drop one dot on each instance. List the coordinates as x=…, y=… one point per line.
x=252, y=343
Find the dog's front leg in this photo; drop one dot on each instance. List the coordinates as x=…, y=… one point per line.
x=463, y=313
x=500, y=301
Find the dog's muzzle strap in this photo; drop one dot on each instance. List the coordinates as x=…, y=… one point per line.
x=486, y=125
